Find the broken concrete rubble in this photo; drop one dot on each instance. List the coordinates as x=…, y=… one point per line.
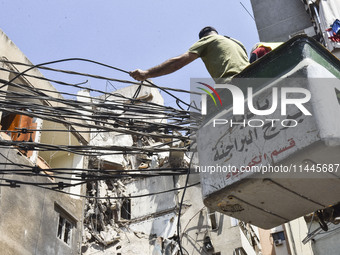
x=117, y=223
x=107, y=226
x=117, y=139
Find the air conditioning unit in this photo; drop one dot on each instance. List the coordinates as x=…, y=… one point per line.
x=278, y=242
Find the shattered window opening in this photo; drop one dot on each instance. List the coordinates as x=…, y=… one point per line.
x=239, y=251
x=125, y=212
x=213, y=220
x=279, y=236
x=16, y=125
x=64, y=230
x=66, y=224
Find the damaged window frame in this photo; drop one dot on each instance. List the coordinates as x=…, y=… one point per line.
x=65, y=228
x=125, y=210
x=9, y=119
x=23, y=129
x=239, y=251
x=66, y=225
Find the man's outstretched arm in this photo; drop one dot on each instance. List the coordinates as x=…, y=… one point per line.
x=169, y=66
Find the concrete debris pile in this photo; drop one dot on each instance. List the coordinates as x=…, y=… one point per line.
x=102, y=227
x=166, y=159
x=101, y=215
x=107, y=221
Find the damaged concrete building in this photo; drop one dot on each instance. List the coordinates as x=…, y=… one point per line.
x=35, y=220
x=139, y=215
x=136, y=198
x=133, y=216
x=134, y=204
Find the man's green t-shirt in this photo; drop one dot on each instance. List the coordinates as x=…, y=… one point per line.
x=222, y=56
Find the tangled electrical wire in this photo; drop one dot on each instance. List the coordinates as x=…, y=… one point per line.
x=80, y=118
x=86, y=115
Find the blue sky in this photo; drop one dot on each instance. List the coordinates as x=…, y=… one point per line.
x=126, y=34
